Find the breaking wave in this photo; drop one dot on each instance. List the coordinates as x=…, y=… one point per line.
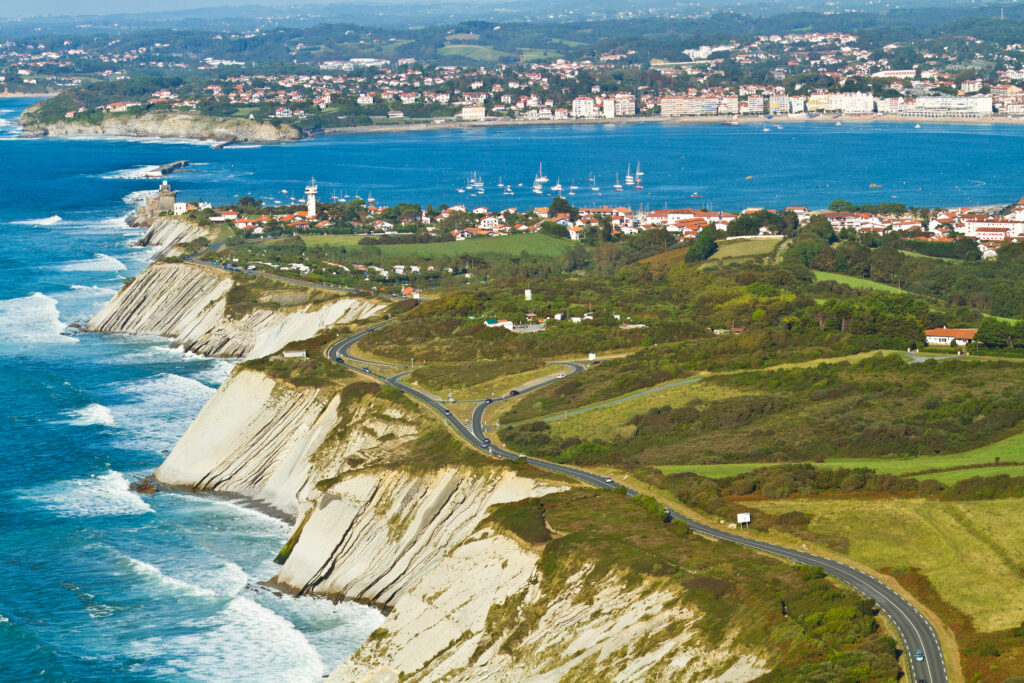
x=99, y=263
x=95, y=496
x=49, y=220
x=30, y=320
x=92, y=414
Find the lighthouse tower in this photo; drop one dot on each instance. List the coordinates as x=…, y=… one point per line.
x=311, y=199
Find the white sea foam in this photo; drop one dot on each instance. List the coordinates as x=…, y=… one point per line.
x=155, y=574
x=96, y=496
x=244, y=641
x=159, y=410
x=30, y=320
x=134, y=173
x=92, y=414
x=3, y=619
x=49, y=220
x=138, y=197
x=93, y=290
x=98, y=263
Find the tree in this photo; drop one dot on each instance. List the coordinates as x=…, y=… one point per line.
x=704, y=246
x=562, y=205
x=553, y=229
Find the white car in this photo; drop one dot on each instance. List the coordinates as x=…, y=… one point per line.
x=561, y=375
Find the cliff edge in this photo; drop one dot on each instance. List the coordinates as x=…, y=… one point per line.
x=230, y=315
x=163, y=125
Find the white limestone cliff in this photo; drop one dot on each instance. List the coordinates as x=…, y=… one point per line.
x=188, y=303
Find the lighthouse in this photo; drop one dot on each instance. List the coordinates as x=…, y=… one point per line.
x=311, y=199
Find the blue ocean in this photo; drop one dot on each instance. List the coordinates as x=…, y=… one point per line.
x=99, y=583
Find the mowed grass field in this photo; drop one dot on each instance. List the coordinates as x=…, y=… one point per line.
x=969, y=550
x=729, y=250
x=1010, y=452
x=482, y=53
x=511, y=245
x=855, y=282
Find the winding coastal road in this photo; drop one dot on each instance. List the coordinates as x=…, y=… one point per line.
x=914, y=628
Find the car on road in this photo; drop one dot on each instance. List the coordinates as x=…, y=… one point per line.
x=918, y=655
x=522, y=456
x=489, y=400
x=561, y=375
x=366, y=369
x=447, y=412
x=513, y=393
x=608, y=480
x=486, y=442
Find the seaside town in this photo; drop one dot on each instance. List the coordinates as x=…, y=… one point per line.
x=802, y=75
x=987, y=228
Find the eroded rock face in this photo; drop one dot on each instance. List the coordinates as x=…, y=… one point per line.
x=168, y=233
x=375, y=533
x=468, y=601
x=187, y=303
x=273, y=443
x=167, y=125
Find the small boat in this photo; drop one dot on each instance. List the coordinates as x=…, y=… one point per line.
x=638, y=173
x=638, y=187
x=617, y=186
x=765, y=129
x=537, y=189
x=629, y=176
x=917, y=125
x=460, y=190
x=593, y=185
x=695, y=195
x=557, y=187
x=839, y=123
x=874, y=185
x=748, y=177
x=541, y=178
x=508, y=190
x=573, y=186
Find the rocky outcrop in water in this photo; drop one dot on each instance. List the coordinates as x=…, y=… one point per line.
x=188, y=303
x=165, y=125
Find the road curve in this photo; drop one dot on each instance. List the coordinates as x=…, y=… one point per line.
x=914, y=628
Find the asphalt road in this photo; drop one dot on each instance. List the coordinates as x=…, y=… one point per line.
x=915, y=630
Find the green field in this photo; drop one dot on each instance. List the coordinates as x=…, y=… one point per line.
x=480, y=53
x=855, y=282
x=969, y=550
x=1009, y=451
x=740, y=249
x=512, y=245
x=533, y=54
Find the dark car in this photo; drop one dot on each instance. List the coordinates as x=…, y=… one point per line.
x=447, y=412
x=366, y=369
x=486, y=442
x=490, y=400
x=513, y=393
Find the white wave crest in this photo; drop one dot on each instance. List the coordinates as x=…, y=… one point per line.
x=96, y=496
x=243, y=641
x=99, y=263
x=138, y=197
x=92, y=414
x=134, y=173
x=93, y=290
x=49, y=220
x=155, y=574
x=159, y=410
x=31, y=319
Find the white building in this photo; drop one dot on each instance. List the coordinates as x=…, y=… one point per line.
x=311, y=199
x=583, y=108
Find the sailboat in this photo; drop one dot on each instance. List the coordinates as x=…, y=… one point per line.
x=617, y=186
x=629, y=176
x=508, y=190
x=573, y=185
x=593, y=184
x=557, y=187
x=541, y=178
x=500, y=184
x=638, y=173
